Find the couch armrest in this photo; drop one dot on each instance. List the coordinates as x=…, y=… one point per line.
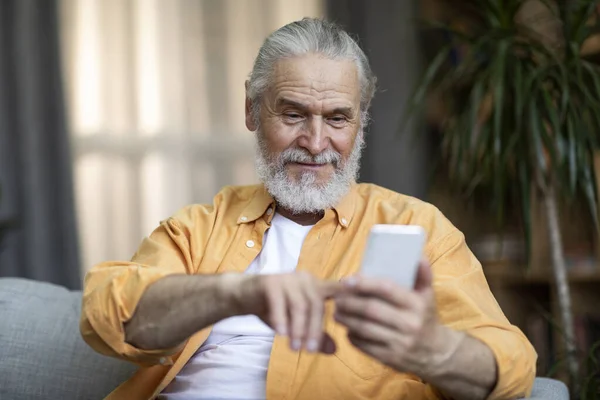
x=549, y=389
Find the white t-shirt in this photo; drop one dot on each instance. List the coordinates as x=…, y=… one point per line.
x=232, y=363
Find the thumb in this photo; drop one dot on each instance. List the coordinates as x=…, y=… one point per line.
x=424, y=277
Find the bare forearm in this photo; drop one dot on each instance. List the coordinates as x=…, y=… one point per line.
x=467, y=371
x=175, y=307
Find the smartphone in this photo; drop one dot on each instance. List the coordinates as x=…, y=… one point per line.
x=393, y=252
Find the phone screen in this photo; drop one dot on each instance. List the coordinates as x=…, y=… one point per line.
x=394, y=252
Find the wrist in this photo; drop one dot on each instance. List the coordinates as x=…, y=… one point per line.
x=445, y=343
x=228, y=293
x=234, y=292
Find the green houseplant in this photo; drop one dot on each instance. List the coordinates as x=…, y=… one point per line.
x=522, y=114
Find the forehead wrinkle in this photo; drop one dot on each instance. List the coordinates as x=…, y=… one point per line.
x=303, y=72
x=315, y=90
x=319, y=83
x=309, y=94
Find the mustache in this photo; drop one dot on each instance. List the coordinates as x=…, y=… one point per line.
x=296, y=155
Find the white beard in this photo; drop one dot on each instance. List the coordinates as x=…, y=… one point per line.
x=306, y=195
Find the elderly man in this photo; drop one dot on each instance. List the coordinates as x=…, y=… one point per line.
x=257, y=295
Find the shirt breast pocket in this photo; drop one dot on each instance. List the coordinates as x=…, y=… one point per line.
x=357, y=362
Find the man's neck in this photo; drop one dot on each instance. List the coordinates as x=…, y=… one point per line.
x=302, y=218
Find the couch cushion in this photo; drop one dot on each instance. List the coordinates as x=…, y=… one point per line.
x=42, y=355
x=549, y=389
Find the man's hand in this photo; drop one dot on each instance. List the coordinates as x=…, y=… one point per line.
x=397, y=326
x=292, y=304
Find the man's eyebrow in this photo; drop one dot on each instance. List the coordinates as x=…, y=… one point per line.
x=289, y=102
x=349, y=111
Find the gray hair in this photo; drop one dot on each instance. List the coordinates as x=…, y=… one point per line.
x=310, y=35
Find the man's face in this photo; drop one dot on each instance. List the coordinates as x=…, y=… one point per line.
x=309, y=132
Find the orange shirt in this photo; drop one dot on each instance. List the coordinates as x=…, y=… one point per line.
x=227, y=236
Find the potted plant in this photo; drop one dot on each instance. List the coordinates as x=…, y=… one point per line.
x=521, y=114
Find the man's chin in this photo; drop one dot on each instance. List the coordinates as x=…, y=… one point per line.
x=308, y=178
x=318, y=171
x=303, y=185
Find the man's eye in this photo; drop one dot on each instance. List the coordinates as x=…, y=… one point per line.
x=293, y=115
x=338, y=119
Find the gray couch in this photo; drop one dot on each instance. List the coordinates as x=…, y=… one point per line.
x=43, y=357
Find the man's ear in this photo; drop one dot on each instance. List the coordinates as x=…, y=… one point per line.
x=250, y=122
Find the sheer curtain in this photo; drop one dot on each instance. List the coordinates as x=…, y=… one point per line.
x=155, y=99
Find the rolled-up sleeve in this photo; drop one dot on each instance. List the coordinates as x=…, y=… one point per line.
x=112, y=290
x=466, y=303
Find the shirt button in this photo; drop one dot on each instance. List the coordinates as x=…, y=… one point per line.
x=344, y=221
x=243, y=219
x=250, y=243
x=269, y=211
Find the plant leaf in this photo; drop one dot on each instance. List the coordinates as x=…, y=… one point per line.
x=572, y=154
x=589, y=189
x=525, y=186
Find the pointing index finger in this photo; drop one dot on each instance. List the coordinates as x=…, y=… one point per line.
x=380, y=288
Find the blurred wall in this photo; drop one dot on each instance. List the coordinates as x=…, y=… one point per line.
x=387, y=30
x=155, y=96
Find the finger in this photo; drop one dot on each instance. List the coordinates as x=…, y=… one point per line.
x=314, y=329
x=277, y=310
x=369, y=309
x=382, y=289
x=366, y=330
x=405, y=323
x=424, y=277
x=298, y=309
x=373, y=349
x=329, y=289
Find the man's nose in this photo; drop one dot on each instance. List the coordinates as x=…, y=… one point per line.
x=315, y=138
